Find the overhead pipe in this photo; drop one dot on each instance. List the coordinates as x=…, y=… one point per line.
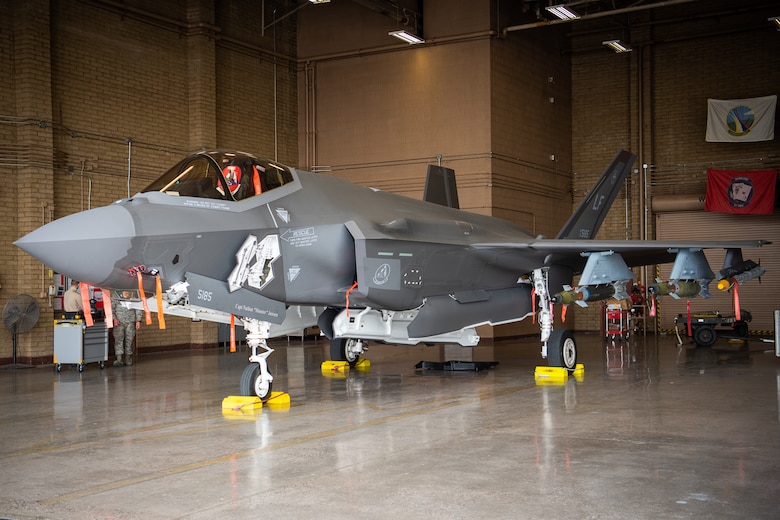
x=396, y=47
x=602, y=14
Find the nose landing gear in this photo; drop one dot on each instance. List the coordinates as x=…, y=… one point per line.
x=256, y=379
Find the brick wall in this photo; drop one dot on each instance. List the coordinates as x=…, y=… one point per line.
x=32, y=156
x=123, y=93
x=9, y=284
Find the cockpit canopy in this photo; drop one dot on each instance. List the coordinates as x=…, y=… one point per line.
x=222, y=175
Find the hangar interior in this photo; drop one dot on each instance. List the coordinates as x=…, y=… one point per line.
x=99, y=97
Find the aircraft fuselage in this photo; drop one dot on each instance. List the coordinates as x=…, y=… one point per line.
x=328, y=233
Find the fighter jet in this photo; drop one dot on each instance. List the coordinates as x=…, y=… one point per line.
x=227, y=234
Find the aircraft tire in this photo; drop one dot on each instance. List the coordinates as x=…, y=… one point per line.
x=562, y=349
x=250, y=380
x=339, y=351
x=704, y=336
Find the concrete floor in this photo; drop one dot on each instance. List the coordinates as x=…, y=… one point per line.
x=651, y=431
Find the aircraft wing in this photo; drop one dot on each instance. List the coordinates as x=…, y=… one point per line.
x=556, y=245
x=573, y=253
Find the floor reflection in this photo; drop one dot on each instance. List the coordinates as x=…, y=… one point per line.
x=650, y=430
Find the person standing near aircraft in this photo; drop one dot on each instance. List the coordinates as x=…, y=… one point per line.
x=71, y=301
x=126, y=322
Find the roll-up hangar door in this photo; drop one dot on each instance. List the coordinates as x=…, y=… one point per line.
x=759, y=298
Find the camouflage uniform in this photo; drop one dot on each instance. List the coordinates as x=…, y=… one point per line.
x=125, y=331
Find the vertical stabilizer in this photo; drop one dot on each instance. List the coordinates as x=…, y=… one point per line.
x=440, y=187
x=585, y=222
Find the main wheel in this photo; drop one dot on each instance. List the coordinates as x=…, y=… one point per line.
x=253, y=384
x=562, y=349
x=704, y=336
x=340, y=351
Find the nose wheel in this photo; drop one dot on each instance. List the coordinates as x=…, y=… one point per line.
x=253, y=384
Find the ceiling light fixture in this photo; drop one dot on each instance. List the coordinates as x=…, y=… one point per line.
x=775, y=20
x=562, y=12
x=406, y=36
x=617, y=46
x=319, y=1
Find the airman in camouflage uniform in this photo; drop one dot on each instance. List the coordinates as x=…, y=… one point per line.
x=126, y=322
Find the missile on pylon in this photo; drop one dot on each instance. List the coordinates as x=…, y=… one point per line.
x=727, y=283
x=738, y=268
x=567, y=296
x=585, y=293
x=678, y=289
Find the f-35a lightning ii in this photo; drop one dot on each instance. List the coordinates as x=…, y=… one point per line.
x=227, y=233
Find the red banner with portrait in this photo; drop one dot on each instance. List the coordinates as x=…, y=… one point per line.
x=750, y=193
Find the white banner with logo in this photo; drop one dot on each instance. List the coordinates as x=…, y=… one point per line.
x=741, y=120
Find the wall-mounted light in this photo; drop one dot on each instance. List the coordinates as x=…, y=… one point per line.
x=617, y=46
x=562, y=12
x=775, y=20
x=406, y=36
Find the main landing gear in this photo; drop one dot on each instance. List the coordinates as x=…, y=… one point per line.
x=562, y=349
x=347, y=349
x=558, y=345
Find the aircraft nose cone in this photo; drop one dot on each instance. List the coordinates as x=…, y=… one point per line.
x=84, y=246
